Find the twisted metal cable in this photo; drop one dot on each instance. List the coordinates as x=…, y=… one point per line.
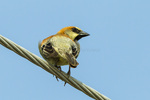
x=51, y=69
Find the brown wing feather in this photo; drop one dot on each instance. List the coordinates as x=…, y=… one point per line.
x=47, y=50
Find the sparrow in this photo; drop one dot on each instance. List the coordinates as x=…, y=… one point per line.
x=62, y=48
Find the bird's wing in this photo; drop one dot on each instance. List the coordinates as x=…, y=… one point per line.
x=47, y=50
x=78, y=49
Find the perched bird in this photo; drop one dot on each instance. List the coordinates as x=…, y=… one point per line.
x=62, y=48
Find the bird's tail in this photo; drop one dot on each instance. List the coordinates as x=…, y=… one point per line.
x=72, y=60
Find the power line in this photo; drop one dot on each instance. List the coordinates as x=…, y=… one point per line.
x=51, y=69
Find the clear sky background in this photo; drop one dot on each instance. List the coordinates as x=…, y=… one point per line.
x=114, y=59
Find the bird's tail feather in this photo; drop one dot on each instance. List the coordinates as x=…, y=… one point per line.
x=71, y=59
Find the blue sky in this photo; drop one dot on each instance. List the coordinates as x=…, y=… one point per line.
x=114, y=59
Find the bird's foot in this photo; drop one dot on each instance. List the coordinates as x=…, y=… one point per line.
x=68, y=73
x=59, y=68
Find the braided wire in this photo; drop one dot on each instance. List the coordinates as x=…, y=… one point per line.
x=51, y=69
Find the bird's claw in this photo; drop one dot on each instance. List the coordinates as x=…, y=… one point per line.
x=59, y=68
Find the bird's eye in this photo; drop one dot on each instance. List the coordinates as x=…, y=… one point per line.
x=75, y=30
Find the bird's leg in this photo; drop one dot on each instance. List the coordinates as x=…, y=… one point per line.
x=68, y=73
x=59, y=68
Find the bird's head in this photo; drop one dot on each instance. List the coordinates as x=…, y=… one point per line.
x=74, y=33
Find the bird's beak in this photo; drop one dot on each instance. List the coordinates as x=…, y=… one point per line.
x=81, y=34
